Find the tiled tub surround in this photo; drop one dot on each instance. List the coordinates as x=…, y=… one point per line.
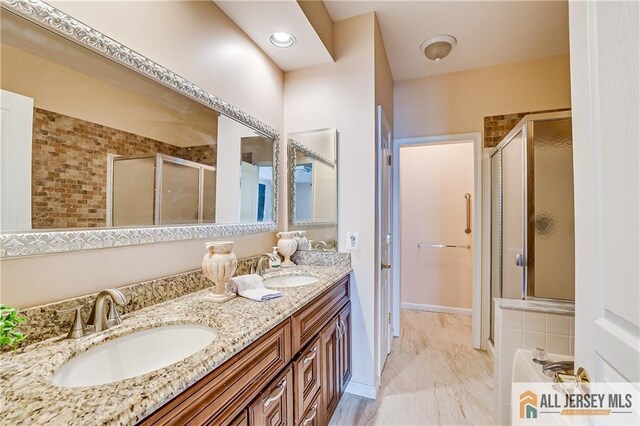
x=44, y=323
x=526, y=324
x=29, y=396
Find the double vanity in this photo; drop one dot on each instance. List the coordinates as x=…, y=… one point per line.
x=151, y=158
x=192, y=361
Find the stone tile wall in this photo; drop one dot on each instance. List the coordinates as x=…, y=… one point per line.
x=69, y=167
x=496, y=127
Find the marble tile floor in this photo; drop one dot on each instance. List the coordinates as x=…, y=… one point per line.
x=432, y=376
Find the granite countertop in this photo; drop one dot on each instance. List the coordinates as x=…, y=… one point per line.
x=29, y=397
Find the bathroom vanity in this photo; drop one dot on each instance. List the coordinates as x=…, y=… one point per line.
x=294, y=374
x=284, y=361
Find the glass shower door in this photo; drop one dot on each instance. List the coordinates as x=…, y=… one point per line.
x=513, y=221
x=496, y=259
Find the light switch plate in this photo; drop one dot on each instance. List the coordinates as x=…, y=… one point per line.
x=353, y=241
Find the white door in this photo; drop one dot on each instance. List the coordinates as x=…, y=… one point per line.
x=605, y=56
x=384, y=234
x=15, y=162
x=249, y=193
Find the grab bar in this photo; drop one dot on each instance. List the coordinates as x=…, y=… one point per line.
x=467, y=198
x=442, y=246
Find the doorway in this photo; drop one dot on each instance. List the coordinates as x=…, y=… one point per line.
x=384, y=252
x=439, y=229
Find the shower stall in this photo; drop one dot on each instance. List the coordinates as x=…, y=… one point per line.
x=532, y=216
x=161, y=190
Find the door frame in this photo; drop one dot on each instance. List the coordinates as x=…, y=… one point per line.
x=479, y=286
x=381, y=317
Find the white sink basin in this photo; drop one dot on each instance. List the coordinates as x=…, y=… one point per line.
x=289, y=281
x=134, y=355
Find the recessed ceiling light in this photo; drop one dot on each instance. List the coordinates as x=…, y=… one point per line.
x=438, y=47
x=282, y=39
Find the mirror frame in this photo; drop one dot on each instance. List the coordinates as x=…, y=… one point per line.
x=294, y=149
x=34, y=243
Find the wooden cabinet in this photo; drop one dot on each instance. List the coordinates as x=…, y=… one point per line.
x=329, y=337
x=335, y=343
x=309, y=320
x=294, y=375
x=344, y=347
x=306, y=373
x=241, y=420
x=274, y=407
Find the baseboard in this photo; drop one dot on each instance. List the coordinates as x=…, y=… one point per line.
x=359, y=389
x=437, y=308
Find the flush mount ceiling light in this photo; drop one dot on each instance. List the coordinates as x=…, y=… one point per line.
x=282, y=39
x=438, y=47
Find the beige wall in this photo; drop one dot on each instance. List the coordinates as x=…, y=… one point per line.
x=433, y=181
x=458, y=102
x=205, y=46
x=341, y=95
x=383, y=79
x=149, y=110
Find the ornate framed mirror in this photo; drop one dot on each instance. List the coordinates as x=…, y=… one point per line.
x=102, y=147
x=313, y=179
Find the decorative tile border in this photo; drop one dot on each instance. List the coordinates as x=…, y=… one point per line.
x=58, y=241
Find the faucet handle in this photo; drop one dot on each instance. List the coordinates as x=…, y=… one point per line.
x=78, y=326
x=113, y=316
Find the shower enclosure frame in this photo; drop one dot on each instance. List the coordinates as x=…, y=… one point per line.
x=526, y=127
x=160, y=159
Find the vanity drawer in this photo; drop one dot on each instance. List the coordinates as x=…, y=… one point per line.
x=308, y=321
x=311, y=417
x=222, y=394
x=306, y=372
x=274, y=406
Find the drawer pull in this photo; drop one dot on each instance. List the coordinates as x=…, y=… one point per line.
x=312, y=416
x=343, y=327
x=282, y=386
x=339, y=330
x=312, y=355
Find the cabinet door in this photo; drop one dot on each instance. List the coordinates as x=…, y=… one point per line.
x=344, y=347
x=306, y=373
x=329, y=367
x=274, y=406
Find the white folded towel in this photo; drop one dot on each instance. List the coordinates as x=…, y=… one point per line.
x=251, y=287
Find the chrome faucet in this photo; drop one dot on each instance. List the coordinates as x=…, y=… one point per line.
x=258, y=268
x=100, y=319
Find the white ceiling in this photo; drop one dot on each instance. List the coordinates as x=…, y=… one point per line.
x=260, y=19
x=488, y=32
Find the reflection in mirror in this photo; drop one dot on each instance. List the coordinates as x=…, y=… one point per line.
x=312, y=179
x=94, y=144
